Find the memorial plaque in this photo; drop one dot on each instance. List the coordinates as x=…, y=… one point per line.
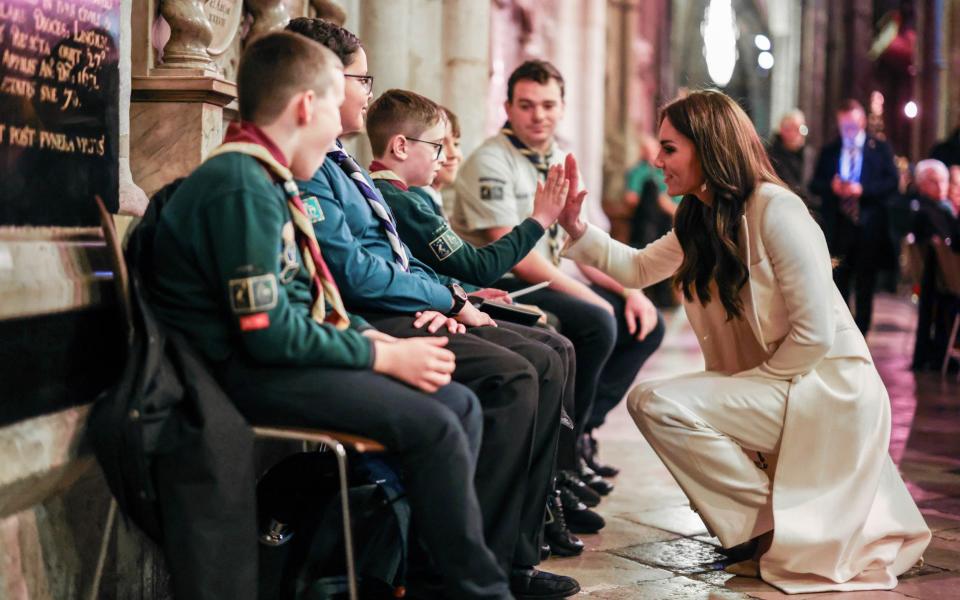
x=224, y=17
x=59, y=120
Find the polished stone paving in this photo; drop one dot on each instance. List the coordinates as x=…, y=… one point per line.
x=654, y=547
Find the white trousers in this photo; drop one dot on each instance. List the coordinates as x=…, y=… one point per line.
x=718, y=435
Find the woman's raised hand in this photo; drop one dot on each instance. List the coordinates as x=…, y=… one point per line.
x=550, y=198
x=570, y=216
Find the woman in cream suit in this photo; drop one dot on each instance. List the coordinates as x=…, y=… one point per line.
x=783, y=439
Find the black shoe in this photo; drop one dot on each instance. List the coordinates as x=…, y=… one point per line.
x=580, y=519
x=587, y=495
x=590, y=455
x=555, y=530
x=589, y=477
x=544, y=551
x=533, y=584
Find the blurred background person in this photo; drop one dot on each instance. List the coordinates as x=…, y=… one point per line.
x=790, y=156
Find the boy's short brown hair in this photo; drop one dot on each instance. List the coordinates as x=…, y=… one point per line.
x=399, y=112
x=277, y=66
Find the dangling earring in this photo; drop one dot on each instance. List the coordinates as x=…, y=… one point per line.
x=703, y=186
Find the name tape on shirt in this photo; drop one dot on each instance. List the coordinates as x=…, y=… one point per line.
x=312, y=206
x=253, y=294
x=446, y=245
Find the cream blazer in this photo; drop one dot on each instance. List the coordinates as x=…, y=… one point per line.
x=843, y=518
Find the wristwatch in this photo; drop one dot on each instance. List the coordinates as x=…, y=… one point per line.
x=459, y=299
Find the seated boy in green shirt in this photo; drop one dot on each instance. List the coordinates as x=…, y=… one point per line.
x=397, y=120
x=400, y=118
x=239, y=272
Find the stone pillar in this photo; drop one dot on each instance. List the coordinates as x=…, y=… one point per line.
x=785, y=31
x=133, y=201
x=426, y=33
x=190, y=35
x=384, y=30
x=267, y=16
x=466, y=76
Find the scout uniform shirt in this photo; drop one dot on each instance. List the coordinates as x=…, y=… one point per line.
x=358, y=252
x=431, y=239
x=230, y=277
x=495, y=188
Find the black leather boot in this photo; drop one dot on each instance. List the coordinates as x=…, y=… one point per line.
x=528, y=583
x=579, y=518
x=589, y=477
x=556, y=532
x=572, y=482
x=588, y=447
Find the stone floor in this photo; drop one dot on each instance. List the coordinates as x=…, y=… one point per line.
x=654, y=547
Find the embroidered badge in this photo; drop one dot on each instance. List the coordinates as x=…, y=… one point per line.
x=491, y=192
x=446, y=245
x=312, y=205
x=253, y=294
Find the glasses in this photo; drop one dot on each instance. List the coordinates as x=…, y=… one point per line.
x=439, y=146
x=365, y=80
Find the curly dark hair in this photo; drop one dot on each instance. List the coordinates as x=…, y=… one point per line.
x=343, y=43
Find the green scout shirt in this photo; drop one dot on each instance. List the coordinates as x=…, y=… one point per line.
x=430, y=239
x=229, y=273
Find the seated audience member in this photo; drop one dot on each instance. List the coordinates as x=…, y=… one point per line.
x=400, y=118
x=519, y=381
x=953, y=190
x=613, y=329
x=452, y=157
x=239, y=273
x=934, y=215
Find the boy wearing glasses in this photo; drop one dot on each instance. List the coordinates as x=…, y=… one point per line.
x=519, y=381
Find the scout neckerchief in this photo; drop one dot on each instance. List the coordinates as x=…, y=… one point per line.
x=250, y=140
x=542, y=163
x=378, y=170
x=377, y=205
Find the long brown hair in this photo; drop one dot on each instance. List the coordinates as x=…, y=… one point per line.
x=734, y=162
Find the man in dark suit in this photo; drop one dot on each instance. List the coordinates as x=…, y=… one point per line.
x=855, y=178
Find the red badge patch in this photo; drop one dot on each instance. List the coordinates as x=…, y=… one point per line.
x=254, y=322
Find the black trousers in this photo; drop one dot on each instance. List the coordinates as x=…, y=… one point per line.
x=860, y=250
x=520, y=385
x=566, y=443
x=432, y=437
x=608, y=357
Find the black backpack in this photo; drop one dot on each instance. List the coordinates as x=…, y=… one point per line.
x=301, y=524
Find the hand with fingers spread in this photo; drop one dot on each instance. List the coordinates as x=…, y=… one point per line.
x=639, y=313
x=435, y=321
x=420, y=362
x=570, y=216
x=551, y=196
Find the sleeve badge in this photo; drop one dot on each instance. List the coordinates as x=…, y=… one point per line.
x=491, y=192
x=253, y=294
x=311, y=205
x=446, y=245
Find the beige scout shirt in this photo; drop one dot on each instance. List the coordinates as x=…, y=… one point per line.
x=495, y=188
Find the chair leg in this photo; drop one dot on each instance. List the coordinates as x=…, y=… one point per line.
x=341, y=455
x=950, y=347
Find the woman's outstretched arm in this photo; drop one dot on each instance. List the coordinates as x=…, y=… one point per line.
x=631, y=267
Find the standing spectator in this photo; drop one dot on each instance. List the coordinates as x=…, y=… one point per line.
x=953, y=190
x=790, y=156
x=948, y=151
x=855, y=179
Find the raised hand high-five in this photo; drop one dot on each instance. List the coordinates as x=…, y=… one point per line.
x=551, y=197
x=570, y=216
